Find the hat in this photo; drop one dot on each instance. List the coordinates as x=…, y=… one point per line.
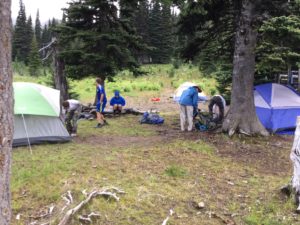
x=198, y=88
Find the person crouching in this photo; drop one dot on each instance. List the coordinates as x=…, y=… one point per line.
x=72, y=110
x=188, y=106
x=117, y=102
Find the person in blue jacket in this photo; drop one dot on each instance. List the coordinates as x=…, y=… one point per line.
x=101, y=102
x=188, y=107
x=117, y=102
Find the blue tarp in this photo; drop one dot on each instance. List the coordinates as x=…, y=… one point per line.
x=277, y=107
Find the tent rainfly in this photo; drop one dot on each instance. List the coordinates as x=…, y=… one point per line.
x=277, y=107
x=36, y=114
x=184, y=86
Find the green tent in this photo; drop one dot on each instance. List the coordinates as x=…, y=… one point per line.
x=37, y=112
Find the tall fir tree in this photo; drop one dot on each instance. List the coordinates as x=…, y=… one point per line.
x=141, y=24
x=28, y=38
x=19, y=50
x=38, y=29
x=95, y=40
x=167, y=41
x=46, y=37
x=155, y=31
x=160, y=32
x=34, y=58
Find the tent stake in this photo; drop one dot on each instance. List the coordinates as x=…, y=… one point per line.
x=27, y=134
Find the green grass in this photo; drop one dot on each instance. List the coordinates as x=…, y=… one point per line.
x=175, y=171
x=158, y=173
x=156, y=79
x=159, y=167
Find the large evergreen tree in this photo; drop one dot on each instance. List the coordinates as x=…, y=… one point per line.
x=95, y=40
x=38, y=29
x=46, y=36
x=155, y=31
x=34, y=58
x=28, y=38
x=167, y=41
x=20, y=49
x=141, y=24
x=278, y=50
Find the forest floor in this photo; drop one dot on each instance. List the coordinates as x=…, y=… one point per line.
x=236, y=180
x=160, y=168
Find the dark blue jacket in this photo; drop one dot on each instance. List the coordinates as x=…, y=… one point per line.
x=117, y=99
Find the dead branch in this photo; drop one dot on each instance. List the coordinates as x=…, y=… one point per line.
x=88, y=218
x=48, y=45
x=168, y=217
x=70, y=196
x=68, y=199
x=105, y=192
x=47, y=56
x=45, y=213
x=85, y=219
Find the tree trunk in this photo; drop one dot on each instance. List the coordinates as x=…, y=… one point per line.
x=6, y=111
x=242, y=116
x=60, y=80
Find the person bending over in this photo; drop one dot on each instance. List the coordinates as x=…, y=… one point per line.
x=188, y=106
x=72, y=110
x=101, y=102
x=217, y=105
x=117, y=102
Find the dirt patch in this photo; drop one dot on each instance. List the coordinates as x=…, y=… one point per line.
x=268, y=155
x=121, y=141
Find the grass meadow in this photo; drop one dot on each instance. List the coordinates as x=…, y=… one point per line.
x=160, y=168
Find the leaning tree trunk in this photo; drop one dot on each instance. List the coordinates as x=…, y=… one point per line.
x=242, y=116
x=60, y=80
x=6, y=111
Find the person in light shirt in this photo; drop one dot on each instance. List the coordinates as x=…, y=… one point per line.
x=72, y=109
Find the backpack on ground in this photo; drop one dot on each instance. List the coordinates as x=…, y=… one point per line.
x=205, y=122
x=151, y=118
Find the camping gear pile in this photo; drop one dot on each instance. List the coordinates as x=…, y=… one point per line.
x=277, y=107
x=89, y=112
x=205, y=121
x=151, y=117
x=36, y=115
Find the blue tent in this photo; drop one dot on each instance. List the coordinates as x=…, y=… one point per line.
x=277, y=106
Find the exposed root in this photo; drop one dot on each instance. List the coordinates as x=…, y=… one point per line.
x=247, y=127
x=68, y=199
x=88, y=218
x=106, y=192
x=168, y=217
x=41, y=216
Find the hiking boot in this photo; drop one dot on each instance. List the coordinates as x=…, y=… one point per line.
x=99, y=125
